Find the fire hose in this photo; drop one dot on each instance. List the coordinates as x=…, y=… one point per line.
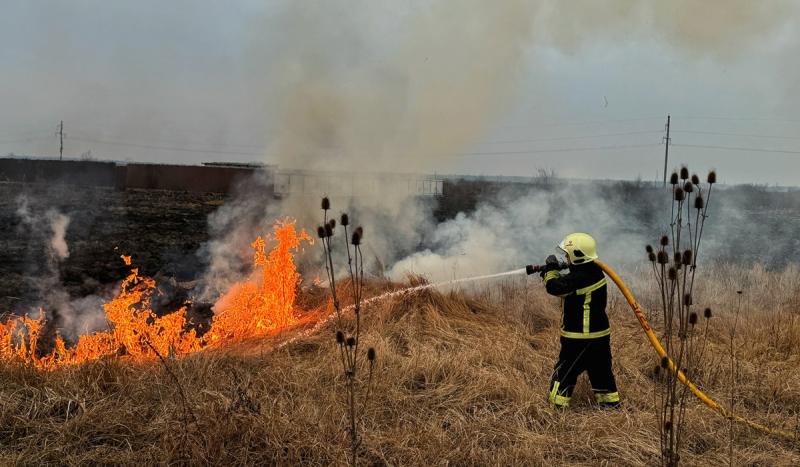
x=654, y=342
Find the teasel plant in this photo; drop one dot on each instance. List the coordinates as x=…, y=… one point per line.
x=674, y=264
x=348, y=336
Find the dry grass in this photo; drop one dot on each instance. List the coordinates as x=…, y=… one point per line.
x=459, y=380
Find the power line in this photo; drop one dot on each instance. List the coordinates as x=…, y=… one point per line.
x=22, y=134
x=176, y=142
x=534, y=151
x=736, y=148
x=561, y=138
x=25, y=140
x=584, y=123
x=166, y=148
x=699, y=132
x=752, y=119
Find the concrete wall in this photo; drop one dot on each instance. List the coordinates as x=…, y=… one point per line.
x=53, y=171
x=183, y=177
x=212, y=178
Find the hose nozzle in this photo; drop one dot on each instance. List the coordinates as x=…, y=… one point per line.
x=534, y=268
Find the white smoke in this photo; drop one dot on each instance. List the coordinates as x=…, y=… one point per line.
x=48, y=230
x=364, y=86
x=384, y=88
x=518, y=228
x=397, y=87
x=52, y=221
x=58, y=225
x=250, y=212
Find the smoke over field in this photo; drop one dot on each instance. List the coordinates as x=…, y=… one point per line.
x=144, y=326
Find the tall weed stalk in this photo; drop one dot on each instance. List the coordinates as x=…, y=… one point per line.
x=674, y=264
x=348, y=336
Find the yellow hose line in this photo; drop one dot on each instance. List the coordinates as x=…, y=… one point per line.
x=637, y=310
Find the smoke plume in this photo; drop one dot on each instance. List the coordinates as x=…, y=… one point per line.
x=47, y=236
x=406, y=87
x=522, y=226
x=392, y=87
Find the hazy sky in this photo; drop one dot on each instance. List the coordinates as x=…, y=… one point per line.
x=456, y=87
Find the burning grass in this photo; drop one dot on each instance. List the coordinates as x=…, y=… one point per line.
x=263, y=304
x=462, y=380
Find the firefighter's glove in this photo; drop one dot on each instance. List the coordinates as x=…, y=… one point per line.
x=550, y=264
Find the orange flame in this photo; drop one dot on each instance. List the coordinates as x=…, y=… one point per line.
x=259, y=306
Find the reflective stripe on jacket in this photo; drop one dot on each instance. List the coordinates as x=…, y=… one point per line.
x=584, y=292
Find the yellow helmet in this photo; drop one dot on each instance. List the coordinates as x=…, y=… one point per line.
x=579, y=247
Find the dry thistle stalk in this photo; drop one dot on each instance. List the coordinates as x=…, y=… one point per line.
x=348, y=346
x=675, y=280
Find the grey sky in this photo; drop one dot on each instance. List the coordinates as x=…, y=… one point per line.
x=257, y=80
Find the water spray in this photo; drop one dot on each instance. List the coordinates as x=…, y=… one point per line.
x=408, y=291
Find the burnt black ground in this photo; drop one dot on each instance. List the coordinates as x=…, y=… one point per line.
x=161, y=230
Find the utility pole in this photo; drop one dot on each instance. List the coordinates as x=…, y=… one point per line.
x=666, y=141
x=60, y=134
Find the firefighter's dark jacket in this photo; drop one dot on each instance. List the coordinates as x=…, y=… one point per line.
x=584, y=292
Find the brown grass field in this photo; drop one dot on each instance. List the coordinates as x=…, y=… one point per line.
x=460, y=379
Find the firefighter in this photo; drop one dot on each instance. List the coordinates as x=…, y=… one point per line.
x=585, y=335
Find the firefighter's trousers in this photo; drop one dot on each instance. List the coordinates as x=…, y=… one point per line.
x=577, y=356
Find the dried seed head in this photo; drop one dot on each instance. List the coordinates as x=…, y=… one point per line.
x=351, y=341
x=695, y=179
x=663, y=257
x=677, y=257
x=326, y=203
x=321, y=231
x=356, y=239
x=664, y=240
x=699, y=202
x=332, y=222
x=688, y=187
x=712, y=177
x=687, y=299
x=345, y=220
x=652, y=257
x=339, y=337
x=668, y=426
x=672, y=274
x=707, y=313
x=684, y=172
x=648, y=249
x=328, y=230
x=673, y=179
x=665, y=362
x=360, y=231
x=687, y=257
x=679, y=195
x=693, y=318
x=371, y=354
